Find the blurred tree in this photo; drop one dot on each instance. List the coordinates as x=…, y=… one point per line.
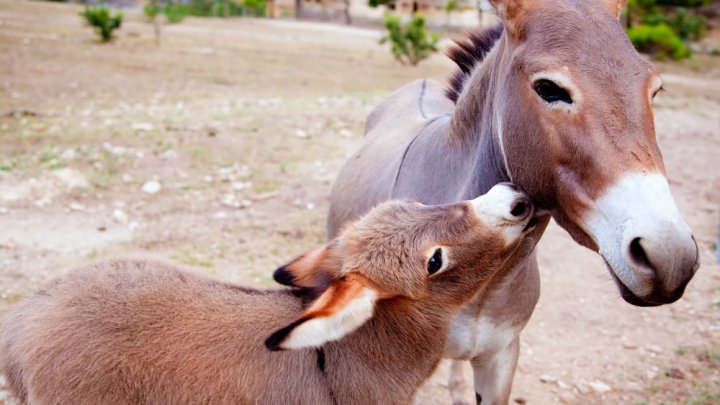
x=102, y=20
x=410, y=43
x=449, y=7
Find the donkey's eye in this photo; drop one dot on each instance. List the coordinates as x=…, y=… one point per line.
x=435, y=263
x=551, y=92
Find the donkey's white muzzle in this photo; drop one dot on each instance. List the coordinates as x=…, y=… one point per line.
x=639, y=232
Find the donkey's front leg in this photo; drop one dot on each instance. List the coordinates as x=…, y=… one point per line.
x=494, y=375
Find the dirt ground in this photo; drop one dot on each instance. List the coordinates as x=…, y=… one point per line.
x=218, y=148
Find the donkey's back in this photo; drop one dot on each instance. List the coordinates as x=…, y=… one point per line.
x=390, y=128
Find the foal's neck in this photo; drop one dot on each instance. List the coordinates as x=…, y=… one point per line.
x=474, y=122
x=388, y=358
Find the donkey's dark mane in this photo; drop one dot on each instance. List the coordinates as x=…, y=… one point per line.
x=468, y=51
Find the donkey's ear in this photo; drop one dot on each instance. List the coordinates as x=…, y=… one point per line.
x=513, y=13
x=315, y=269
x=616, y=6
x=342, y=308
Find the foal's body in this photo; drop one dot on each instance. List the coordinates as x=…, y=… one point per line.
x=157, y=302
x=369, y=329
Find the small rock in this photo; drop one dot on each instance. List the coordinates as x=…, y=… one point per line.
x=142, y=126
x=651, y=374
x=567, y=398
x=8, y=244
x=207, y=179
x=653, y=348
x=169, y=154
x=119, y=216
x=42, y=202
x=126, y=178
x=600, y=387
x=547, y=379
x=520, y=400
x=264, y=196
x=582, y=388
x=301, y=133
x=230, y=200
x=310, y=206
x=346, y=133
x=240, y=185
x=151, y=187
x=134, y=226
x=102, y=228
x=68, y=154
x=563, y=385
x=629, y=346
x=675, y=372
x=633, y=386
x=76, y=206
x=220, y=215
x=4, y=210
x=71, y=178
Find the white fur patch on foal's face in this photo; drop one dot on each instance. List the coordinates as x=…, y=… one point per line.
x=320, y=330
x=494, y=210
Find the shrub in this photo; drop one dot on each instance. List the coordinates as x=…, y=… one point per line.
x=411, y=43
x=254, y=7
x=101, y=19
x=686, y=24
x=151, y=11
x=175, y=13
x=658, y=40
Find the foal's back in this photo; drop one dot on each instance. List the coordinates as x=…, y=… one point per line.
x=131, y=314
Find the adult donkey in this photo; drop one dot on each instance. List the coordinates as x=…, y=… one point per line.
x=559, y=103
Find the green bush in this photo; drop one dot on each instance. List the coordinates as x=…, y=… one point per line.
x=175, y=13
x=658, y=40
x=686, y=24
x=151, y=11
x=683, y=3
x=101, y=19
x=254, y=7
x=411, y=43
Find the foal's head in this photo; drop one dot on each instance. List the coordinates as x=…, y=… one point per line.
x=408, y=251
x=572, y=114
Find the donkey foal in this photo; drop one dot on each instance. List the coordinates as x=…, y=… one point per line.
x=369, y=327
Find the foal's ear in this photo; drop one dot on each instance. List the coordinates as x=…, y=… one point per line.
x=315, y=269
x=341, y=309
x=616, y=6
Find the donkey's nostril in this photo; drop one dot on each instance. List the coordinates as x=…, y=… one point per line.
x=521, y=208
x=638, y=255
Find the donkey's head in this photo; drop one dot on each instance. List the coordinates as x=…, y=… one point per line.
x=574, y=122
x=405, y=250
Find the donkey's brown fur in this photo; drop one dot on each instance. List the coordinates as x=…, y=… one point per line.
x=130, y=331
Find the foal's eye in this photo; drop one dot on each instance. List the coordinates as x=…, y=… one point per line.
x=435, y=263
x=551, y=92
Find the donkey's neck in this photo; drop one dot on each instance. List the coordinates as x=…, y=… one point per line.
x=474, y=123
